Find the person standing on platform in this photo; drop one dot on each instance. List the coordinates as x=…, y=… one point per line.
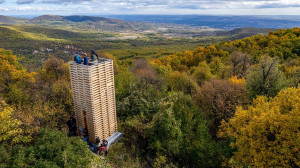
x=86, y=135
x=85, y=59
x=94, y=56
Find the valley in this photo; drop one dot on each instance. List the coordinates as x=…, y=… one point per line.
x=45, y=36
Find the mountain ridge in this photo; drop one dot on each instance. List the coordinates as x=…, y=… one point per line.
x=72, y=18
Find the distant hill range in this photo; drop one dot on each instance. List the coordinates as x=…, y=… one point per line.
x=49, y=18
x=86, y=23
x=102, y=24
x=74, y=18
x=79, y=22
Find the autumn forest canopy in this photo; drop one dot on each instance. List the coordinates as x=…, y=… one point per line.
x=228, y=104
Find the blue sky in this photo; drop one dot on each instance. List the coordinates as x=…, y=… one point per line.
x=106, y=7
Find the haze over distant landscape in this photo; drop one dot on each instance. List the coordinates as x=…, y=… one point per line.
x=218, y=21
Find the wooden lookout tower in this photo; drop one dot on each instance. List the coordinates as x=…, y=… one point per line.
x=94, y=98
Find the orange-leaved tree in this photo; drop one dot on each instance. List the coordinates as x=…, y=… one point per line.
x=219, y=99
x=267, y=133
x=15, y=81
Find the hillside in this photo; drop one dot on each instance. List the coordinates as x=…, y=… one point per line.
x=71, y=19
x=91, y=23
x=78, y=18
x=240, y=33
x=52, y=33
x=47, y=18
x=12, y=20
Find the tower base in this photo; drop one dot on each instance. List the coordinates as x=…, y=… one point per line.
x=113, y=138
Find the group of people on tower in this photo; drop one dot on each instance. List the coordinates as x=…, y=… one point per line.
x=78, y=59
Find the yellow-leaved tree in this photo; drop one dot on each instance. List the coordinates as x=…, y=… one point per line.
x=10, y=128
x=237, y=81
x=267, y=134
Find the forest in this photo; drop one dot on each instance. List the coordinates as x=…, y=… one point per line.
x=228, y=104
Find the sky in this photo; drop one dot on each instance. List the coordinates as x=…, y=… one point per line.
x=110, y=7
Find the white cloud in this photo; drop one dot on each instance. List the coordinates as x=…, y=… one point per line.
x=4, y=9
x=194, y=4
x=158, y=6
x=29, y=8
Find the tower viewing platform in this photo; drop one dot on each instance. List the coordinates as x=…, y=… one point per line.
x=94, y=98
